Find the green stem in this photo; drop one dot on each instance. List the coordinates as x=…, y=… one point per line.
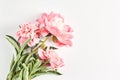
x=41, y=45
x=9, y=76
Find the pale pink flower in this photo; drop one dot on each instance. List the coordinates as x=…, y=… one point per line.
x=42, y=54
x=54, y=23
x=50, y=55
x=43, y=31
x=29, y=30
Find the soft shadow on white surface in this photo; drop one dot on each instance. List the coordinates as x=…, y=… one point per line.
x=95, y=54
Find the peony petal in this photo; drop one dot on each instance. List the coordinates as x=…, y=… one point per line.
x=53, y=30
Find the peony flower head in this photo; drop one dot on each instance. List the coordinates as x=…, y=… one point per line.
x=29, y=30
x=50, y=55
x=54, y=24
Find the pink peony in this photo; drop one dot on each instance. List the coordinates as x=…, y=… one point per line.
x=50, y=55
x=29, y=30
x=54, y=23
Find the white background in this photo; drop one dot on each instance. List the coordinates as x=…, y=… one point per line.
x=95, y=54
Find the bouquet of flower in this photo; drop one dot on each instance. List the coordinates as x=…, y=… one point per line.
x=34, y=56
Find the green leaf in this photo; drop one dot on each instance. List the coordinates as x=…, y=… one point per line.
x=20, y=75
x=16, y=75
x=36, y=66
x=9, y=76
x=20, y=61
x=30, y=55
x=43, y=67
x=44, y=72
x=13, y=42
x=22, y=49
x=12, y=62
x=13, y=68
x=24, y=45
x=25, y=73
x=51, y=47
x=37, y=63
x=54, y=72
x=30, y=67
x=18, y=68
x=32, y=59
x=23, y=57
x=37, y=74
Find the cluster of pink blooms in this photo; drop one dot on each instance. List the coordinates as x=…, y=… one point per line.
x=50, y=55
x=53, y=24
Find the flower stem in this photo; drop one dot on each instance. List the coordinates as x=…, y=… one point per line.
x=41, y=45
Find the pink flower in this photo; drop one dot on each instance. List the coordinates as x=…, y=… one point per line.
x=50, y=55
x=29, y=30
x=54, y=23
x=42, y=54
